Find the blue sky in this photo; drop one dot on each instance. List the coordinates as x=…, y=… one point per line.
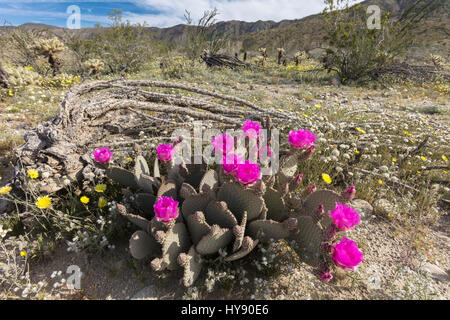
x=159, y=13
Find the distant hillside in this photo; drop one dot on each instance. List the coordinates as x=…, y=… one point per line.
x=307, y=34
x=302, y=34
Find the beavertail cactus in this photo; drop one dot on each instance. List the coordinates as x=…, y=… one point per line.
x=194, y=213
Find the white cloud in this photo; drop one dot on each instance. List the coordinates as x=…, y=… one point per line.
x=245, y=10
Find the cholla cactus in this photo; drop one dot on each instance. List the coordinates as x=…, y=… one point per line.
x=20, y=77
x=223, y=215
x=281, y=54
x=438, y=61
x=95, y=67
x=299, y=57
x=49, y=48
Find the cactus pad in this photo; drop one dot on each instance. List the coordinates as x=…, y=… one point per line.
x=276, y=207
x=217, y=213
x=192, y=265
x=217, y=238
x=309, y=240
x=175, y=241
x=240, y=200
x=197, y=226
x=168, y=189
x=269, y=229
x=209, y=182
x=122, y=176
x=327, y=198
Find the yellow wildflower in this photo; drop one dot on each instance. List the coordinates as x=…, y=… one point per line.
x=446, y=172
x=444, y=158
x=102, y=203
x=318, y=106
x=360, y=130
x=423, y=158
x=128, y=160
x=33, y=174
x=357, y=151
x=5, y=190
x=10, y=93
x=84, y=199
x=380, y=181
x=394, y=159
x=23, y=253
x=305, y=115
x=43, y=202
x=100, y=188
x=326, y=178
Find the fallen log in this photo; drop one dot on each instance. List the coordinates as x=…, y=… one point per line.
x=117, y=114
x=221, y=60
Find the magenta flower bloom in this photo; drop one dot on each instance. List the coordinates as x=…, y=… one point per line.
x=302, y=139
x=248, y=173
x=230, y=163
x=300, y=178
x=165, y=152
x=102, y=155
x=166, y=209
x=223, y=144
x=346, y=254
x=251, y=129
x=344, y=217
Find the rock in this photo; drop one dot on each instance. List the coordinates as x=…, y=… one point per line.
x=147, y=293
x=5, y=206
x=435, y=272
x=383, y=207
x=364, y=208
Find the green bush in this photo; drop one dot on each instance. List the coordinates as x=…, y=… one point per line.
x=355, y=51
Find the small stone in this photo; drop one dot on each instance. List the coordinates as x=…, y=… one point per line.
x=383, y=207
x=363, y=208
x=435, y=272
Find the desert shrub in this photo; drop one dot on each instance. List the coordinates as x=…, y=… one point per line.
x=49, y=48
x=94, y=67
x=123, y=47
x=21, y=42
x=204, y=35
x=356, y=51
x=20, y=77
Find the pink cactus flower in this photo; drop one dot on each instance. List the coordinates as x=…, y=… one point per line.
x=311, y=189
x=223, y=144
x=165, y=152
x=349, y=194
x=251, y=129
x=344, y=217
x=166, y=209
x=325, y=276
x=230, y=163
x=302, y=139
x=300, y=178
x=248, y=173
x=346, y=254
x=102, y=155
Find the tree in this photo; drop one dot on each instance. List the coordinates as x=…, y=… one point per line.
x=357, y=51
x=204, y=35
